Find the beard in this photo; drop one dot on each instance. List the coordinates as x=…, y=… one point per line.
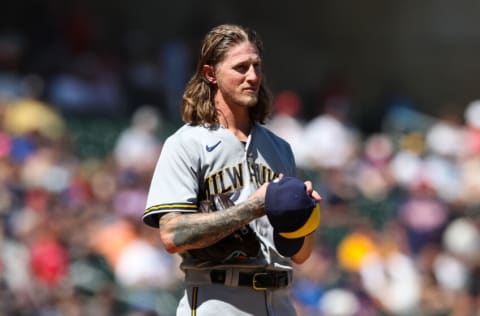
x=242, y=99
x=251, y=100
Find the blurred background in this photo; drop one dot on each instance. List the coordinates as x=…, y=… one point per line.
x=379, y=101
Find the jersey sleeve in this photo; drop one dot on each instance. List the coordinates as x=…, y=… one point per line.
x=174, y=184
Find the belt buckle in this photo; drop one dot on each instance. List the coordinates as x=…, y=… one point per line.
x=254, y=283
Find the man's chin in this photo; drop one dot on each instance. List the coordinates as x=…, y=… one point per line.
x=250, y=102
x=246, y=101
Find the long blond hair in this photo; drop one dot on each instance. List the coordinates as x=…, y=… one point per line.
x=197, y=103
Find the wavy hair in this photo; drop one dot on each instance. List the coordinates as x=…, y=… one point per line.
x=197, y=103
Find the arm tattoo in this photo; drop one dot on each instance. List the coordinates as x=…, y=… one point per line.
x=200, y=230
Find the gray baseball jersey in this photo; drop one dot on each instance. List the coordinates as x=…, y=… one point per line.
x=197, y=161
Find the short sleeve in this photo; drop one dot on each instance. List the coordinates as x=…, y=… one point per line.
x=174, y=184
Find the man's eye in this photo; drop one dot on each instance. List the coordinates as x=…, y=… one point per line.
x=242, y=68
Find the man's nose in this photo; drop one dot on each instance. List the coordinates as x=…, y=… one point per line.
x=252, y=74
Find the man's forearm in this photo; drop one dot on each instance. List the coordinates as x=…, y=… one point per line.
x=180, y=231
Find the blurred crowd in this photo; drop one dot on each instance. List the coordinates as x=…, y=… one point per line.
x=83, y=104
x=400, y=223
x=72, y=241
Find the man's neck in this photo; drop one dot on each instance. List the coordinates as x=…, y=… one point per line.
x=237, y=120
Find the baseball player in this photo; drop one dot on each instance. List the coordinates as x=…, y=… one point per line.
x=223, y=148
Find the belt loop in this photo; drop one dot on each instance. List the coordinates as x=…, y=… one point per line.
x=235, y=277
x=229, y=275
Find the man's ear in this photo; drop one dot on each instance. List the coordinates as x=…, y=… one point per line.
x=209, y=73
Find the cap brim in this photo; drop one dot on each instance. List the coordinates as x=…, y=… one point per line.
x=287, y=247
x=308, y=227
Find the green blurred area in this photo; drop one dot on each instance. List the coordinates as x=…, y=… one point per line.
x=94, y=136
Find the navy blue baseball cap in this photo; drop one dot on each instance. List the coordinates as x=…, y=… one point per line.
x=292, y=213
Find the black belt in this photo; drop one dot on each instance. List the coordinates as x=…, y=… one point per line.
x=265, y=280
